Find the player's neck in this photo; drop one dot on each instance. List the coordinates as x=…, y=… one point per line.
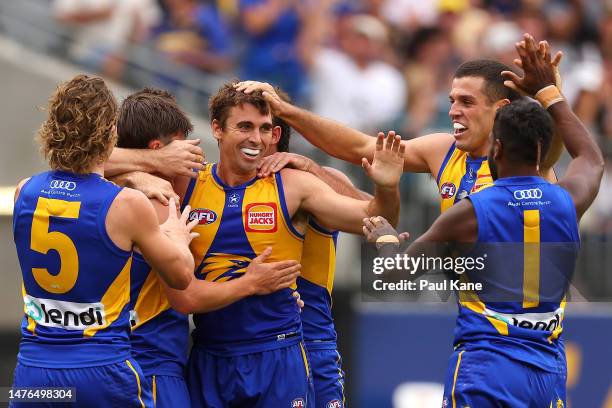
x=518, y=170
x=234, y=177
x=482, y=152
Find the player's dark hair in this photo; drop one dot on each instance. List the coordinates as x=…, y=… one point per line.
x=147, y=115
x=227, y=97
x=283, y=142
x=490, y=71
x=520, y=126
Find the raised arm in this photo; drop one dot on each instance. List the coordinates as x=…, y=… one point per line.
x=583, y=176
x=343, y=213
x=422, y=155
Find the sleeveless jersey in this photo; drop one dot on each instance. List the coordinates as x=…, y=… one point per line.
x=76, y=281
x=461, y=175
x=160, y=334
x=236, y=224
x=528, y=233
x=315, y=285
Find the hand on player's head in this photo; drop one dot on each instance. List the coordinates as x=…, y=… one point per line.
x=388, y=165
x=180, y=158
x=537, y=64
x=267, y=91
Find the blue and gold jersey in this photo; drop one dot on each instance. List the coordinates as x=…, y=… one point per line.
x=236, y=224
x=76, y=281
x=461, y=175
x=528, y=235
x=315, y=285
x=160, y=334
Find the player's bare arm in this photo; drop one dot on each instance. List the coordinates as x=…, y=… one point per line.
x=203, y=296
x=342, y=213
x=422, y=155
x=584, y=172
x=556, y=146
x=131, y=221
x=152, y=186
x=456, y=225
x=337, y=180
x=179, y=157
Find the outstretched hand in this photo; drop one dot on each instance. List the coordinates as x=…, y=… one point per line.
x=537, y=64
x=388, y=164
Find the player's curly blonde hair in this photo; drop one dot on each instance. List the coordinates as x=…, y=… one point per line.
x=79, y=130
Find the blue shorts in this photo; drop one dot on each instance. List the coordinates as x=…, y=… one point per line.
x=274, y=378
x=169, y=391
x=327, y=376
x=113, y=385
x=483, y=379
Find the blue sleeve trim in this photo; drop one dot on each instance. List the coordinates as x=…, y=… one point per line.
x=445, y=161
x=281, y=199
x=317, y=227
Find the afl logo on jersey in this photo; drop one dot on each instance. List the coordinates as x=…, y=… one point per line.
x=447, y=190
x=63, y=184
x=203, y=215
x=260, y=217
x=334, y=404
x=298, y=403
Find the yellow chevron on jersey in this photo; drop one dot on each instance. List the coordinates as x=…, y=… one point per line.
x=227, y=243
x=461, y=175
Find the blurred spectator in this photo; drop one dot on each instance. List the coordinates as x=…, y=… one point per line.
x=272, y=29
x=428, y=75
x=409, y=15
x=351, y=82
x=104, y=28
x=193, y=33
x=498, y=42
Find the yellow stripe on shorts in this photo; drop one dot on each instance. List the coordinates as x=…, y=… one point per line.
x=137, y=382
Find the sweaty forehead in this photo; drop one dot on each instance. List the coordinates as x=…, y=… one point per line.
x=467, y=86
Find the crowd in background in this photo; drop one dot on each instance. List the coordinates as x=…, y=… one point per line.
x=372, y=64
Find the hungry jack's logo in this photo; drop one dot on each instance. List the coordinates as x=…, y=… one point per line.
x=260, y=217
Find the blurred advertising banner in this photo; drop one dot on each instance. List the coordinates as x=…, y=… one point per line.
x=401, y=354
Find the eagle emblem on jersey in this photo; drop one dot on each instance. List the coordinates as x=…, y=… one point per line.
x=220, y=267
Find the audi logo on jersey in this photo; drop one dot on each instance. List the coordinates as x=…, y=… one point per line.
x=63, y=184
x=526, y=194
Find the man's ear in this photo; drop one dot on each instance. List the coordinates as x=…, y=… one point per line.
x=498, y=150
x=276, y=134
x=155, y=144
x=217, y=131
x=501, y=102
